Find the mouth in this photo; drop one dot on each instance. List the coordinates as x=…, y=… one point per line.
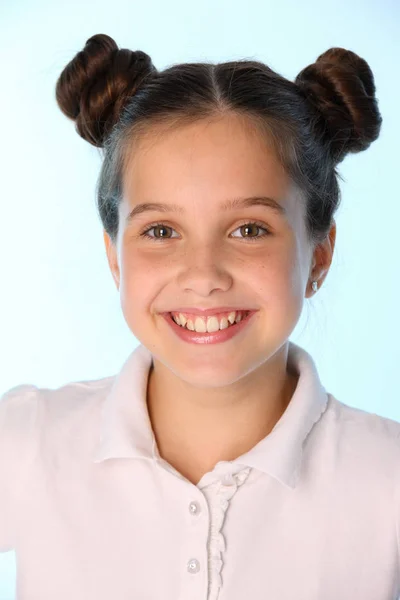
x=228, y=331
x=210, y=331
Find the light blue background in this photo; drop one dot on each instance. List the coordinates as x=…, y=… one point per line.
x=60, y=318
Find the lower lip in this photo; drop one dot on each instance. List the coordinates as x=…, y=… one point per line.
x=216, y=337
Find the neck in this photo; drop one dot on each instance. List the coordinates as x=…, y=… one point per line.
x=195, y=428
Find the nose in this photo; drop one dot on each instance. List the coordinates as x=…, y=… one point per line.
x=203, y=270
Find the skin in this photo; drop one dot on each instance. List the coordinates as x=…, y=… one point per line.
x=211, y=403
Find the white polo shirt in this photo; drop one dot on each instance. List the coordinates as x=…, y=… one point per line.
x=94, y=513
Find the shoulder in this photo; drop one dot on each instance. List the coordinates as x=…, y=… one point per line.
x=366, y=422
x=25, y=409
x=18, y=418
x=365, y=450
x=18, y=410
x=362, y=434
x=74, y=397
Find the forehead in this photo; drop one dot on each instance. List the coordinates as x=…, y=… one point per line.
x=225, y=153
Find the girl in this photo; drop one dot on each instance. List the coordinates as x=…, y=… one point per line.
x=215, y=465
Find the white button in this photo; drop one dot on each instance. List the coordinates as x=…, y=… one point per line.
x=228, y=479
x=194, y=508
x=193, y=566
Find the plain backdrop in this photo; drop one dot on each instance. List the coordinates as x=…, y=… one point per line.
x=60, y=317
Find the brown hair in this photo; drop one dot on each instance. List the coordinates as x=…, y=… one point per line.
x=114, y=95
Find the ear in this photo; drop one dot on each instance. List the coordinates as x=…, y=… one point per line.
x=112, y=257
x=322, y=259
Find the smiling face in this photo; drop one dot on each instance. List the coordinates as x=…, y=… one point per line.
x=204, y=255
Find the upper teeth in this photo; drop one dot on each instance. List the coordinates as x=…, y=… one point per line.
x=209, y=324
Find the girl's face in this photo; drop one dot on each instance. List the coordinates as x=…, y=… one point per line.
x=202, y=255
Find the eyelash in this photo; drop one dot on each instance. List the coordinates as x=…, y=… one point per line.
x=144, y=233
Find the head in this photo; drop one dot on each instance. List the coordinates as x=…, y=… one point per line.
x=199, y=139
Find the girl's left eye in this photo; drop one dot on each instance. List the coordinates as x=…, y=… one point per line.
x=246, y=226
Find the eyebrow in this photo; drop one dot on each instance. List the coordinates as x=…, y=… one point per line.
x=236, y=203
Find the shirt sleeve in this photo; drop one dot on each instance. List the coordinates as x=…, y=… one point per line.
x=397, y=524
x=18, y=415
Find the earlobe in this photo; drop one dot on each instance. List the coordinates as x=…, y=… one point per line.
x=112, y=257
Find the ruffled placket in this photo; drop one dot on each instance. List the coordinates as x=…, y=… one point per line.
x=219, y=495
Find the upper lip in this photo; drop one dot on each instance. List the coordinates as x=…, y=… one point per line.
x=205, y=312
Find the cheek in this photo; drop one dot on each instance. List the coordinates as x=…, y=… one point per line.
x=277, y=276
x=143, y=262
x=141, y=277
x=280, y=292
x=135, y=266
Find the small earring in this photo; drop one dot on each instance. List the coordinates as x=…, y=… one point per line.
x=315, y=286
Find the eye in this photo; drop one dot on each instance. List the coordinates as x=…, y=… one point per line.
x=251, y=226
x=245, y=228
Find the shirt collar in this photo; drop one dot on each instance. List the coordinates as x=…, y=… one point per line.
x=126, y=430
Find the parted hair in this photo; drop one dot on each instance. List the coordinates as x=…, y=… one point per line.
x=115, y=95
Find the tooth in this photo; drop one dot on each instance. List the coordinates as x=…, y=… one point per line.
x=200, y=325
x=239, y=317
x=189, y=324
x=231, y=317
x=182, y=319
x=224, y=323
x=212, y=324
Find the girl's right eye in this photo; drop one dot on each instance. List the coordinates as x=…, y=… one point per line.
x=154, y=226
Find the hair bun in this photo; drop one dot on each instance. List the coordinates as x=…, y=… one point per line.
x=95, y=85
x=340, y=85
